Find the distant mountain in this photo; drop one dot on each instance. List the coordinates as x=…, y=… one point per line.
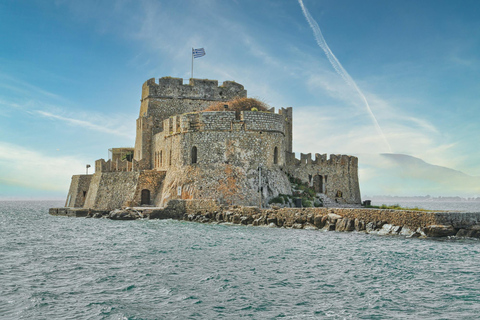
x=404, y=175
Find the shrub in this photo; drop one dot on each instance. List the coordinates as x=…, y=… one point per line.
x=285, y=197
x=306, y=202
x=278, y=199
x=128, y=156
x=239, y=104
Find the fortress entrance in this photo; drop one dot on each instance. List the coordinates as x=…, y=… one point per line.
x=145, y=197
x=318, y=183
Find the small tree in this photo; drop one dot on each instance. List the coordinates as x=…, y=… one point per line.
x=128, y=156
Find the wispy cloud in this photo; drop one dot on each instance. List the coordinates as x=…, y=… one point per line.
x=85, y=124
x=20, y=86
x=23, y=167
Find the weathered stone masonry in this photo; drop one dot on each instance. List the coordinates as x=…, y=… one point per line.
x=180, y=152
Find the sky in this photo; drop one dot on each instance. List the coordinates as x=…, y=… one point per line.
x=364, y=78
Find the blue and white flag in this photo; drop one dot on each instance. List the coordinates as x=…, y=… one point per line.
x=197, y=53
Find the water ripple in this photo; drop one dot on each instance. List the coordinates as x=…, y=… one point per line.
x=66, y=268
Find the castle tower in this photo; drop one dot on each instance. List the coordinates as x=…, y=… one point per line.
x=170, y=97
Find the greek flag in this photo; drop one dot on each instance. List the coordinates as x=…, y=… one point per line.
x=197, y=53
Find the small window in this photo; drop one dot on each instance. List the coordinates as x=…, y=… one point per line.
x=275, y=156
x=194, y=155
x=170, y=158
x=161, y=160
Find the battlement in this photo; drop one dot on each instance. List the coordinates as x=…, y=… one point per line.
x=196, y=89
x=225, y=121
x=321, y=159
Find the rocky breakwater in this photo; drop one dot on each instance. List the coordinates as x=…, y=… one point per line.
x=375, y=221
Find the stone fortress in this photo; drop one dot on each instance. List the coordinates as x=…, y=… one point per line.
x=234, y=157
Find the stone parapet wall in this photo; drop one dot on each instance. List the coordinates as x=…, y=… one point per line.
x=263, y=121
x=225, y=121
x=110, y=190
x=339, y=173
x=203, y=89
x=321, y=159
x=78, y=191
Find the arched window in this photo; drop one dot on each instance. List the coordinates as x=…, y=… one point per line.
x=194, y=154
x=275, y=156
x=161, y=160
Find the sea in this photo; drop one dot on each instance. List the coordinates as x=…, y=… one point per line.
x=77, y=268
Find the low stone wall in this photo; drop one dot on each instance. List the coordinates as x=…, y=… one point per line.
x=375, y=221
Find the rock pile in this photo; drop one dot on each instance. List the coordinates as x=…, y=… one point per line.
x=373, y=221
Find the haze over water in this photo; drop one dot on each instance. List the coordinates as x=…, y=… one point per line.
x=75, y=268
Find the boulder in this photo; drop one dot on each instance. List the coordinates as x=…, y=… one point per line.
x=370, y=227
x=359, y=225
x=332, y=217
x=319, y=222
x=309, y=226
x=389, y=229
x=236, y=219
x=440, y=230
x=246, y=220
x=127, y=214
x=405, y=231
x=345, y=224
x=472, y=232
x=272, y=220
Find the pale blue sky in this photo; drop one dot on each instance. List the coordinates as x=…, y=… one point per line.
x=71, y=75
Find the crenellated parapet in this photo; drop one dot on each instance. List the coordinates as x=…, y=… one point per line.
x=225, y=121
x=335, y=176
x=321, y=159
x=196, y=89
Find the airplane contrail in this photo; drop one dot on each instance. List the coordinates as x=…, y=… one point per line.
x=339, y=68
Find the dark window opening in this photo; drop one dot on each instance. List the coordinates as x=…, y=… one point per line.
x=275, y=156
x=194, y=155
x=339, y=194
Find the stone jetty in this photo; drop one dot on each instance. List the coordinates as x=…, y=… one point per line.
x=375, y=221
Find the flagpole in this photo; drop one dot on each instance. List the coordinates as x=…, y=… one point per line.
x=192, y=64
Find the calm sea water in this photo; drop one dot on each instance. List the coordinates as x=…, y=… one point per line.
x=466, y=206
x=75, y=268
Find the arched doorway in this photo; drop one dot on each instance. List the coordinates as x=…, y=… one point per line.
x=145, y=197
x=318, y=183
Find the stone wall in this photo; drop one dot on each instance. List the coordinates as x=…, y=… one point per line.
x=171, y=97
x=78, y=191
x=337, y=175
x=227, y=157
x=110, y=190
x=202, y=89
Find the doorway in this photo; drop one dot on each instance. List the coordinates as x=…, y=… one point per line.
x=318, y=183
x=145, y=197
